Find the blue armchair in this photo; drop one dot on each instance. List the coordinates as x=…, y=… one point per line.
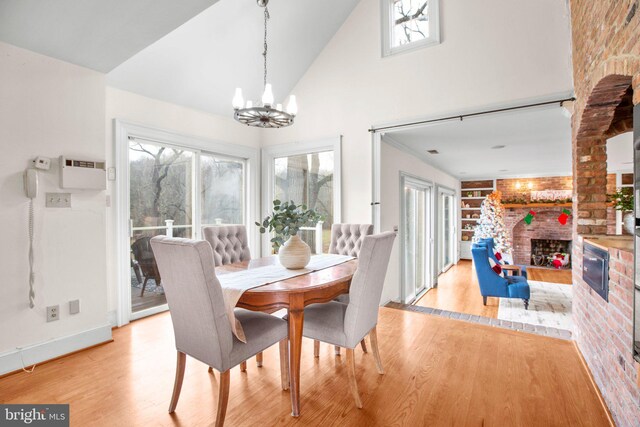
x=492, y=284
x=492, y=253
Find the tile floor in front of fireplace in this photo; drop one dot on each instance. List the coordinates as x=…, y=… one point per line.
x=457, y=296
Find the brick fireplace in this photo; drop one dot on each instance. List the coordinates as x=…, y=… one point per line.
x=545, y=226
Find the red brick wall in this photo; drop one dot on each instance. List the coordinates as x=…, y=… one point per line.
x=606, y=334
x=509, y=191
x=606, y=62
x=545, y=225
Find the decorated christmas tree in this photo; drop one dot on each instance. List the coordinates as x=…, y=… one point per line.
x=491, y=223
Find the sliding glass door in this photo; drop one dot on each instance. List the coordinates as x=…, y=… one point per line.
x=175, y=191
x=416, y=241
x=447, y=229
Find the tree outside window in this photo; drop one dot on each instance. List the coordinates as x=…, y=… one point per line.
x=408, y=24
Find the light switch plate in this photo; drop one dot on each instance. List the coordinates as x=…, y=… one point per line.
x=58, y=200
x=74, y=306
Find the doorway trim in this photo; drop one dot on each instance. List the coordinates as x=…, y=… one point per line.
x=123, y=130
x=441, y=189
x=407, y=178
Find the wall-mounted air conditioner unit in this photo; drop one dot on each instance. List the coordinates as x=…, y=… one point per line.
x=82, y=174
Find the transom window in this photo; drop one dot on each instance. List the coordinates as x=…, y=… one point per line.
x=408, y=24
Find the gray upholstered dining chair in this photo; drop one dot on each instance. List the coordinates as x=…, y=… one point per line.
x=345, y=325
x=200, y=323
x=230, y=244
x=346, y=239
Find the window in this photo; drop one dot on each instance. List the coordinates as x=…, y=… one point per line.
x=307, y=174
x=409, y=24
x=162, y=182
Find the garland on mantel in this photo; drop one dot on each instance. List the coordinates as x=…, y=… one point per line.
x=523, y=201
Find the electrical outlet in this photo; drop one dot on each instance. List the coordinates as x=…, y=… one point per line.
x=58, y=200
x=74, y=306
x=53, y=313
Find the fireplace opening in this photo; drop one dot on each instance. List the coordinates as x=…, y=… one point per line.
x=551, y=253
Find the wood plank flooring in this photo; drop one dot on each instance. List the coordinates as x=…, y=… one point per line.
x=438, y=372
x=458, y=290
x=550, y=275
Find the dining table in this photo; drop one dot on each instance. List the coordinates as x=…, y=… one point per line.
x=293, y=294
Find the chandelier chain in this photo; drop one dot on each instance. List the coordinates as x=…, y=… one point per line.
x=264, y=54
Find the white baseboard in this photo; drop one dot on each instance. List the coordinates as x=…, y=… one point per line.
x=17, y=359
x=112, y=318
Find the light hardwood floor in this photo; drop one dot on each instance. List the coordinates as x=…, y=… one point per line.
x=458, y=290
x=438, y=372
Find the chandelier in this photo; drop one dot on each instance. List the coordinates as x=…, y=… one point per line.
x=265, y=114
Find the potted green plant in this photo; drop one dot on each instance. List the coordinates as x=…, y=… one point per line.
x=285, y=222
x=623, y=201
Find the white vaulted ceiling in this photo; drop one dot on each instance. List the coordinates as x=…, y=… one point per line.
x=97, y=34
x=199, y=64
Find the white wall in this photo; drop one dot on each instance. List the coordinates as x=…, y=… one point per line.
x=394, y=161
x=49, y=108
x=138, y=109
x=492, y=52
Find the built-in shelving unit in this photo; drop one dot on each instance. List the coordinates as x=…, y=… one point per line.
x=472, y=193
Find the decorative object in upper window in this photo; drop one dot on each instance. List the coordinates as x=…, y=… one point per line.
x=409, y=24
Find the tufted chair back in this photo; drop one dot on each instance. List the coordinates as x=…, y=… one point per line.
x=229, y=243
x=346, y=239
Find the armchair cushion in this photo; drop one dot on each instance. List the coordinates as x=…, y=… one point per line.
x=519, y=290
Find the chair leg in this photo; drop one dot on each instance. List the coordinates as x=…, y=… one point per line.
x=526, y=304
x=284, y=364
x=484, y=300
x=351, y=372
x=373, y=337
x=223, y=397
x=337, y=349
x=316, y=348
x=259, y=359
x=144, y=285
x=363, y=344
x=243, y=366
x=177, y=385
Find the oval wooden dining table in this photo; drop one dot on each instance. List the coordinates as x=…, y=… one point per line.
x=294, y=294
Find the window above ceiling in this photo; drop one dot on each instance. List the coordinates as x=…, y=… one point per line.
x=408, y=25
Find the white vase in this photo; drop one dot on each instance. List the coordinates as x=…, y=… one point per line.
x=629, y=222
x=294, y=254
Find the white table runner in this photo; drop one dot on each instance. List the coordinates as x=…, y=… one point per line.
x=236, y=283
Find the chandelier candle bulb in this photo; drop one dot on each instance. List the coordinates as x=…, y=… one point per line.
x=292, y=108
x=249, y=104
x=267, y=96
x=279, y=107
x=238, y=100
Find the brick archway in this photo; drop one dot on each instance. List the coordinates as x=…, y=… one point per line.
x=608, y=112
